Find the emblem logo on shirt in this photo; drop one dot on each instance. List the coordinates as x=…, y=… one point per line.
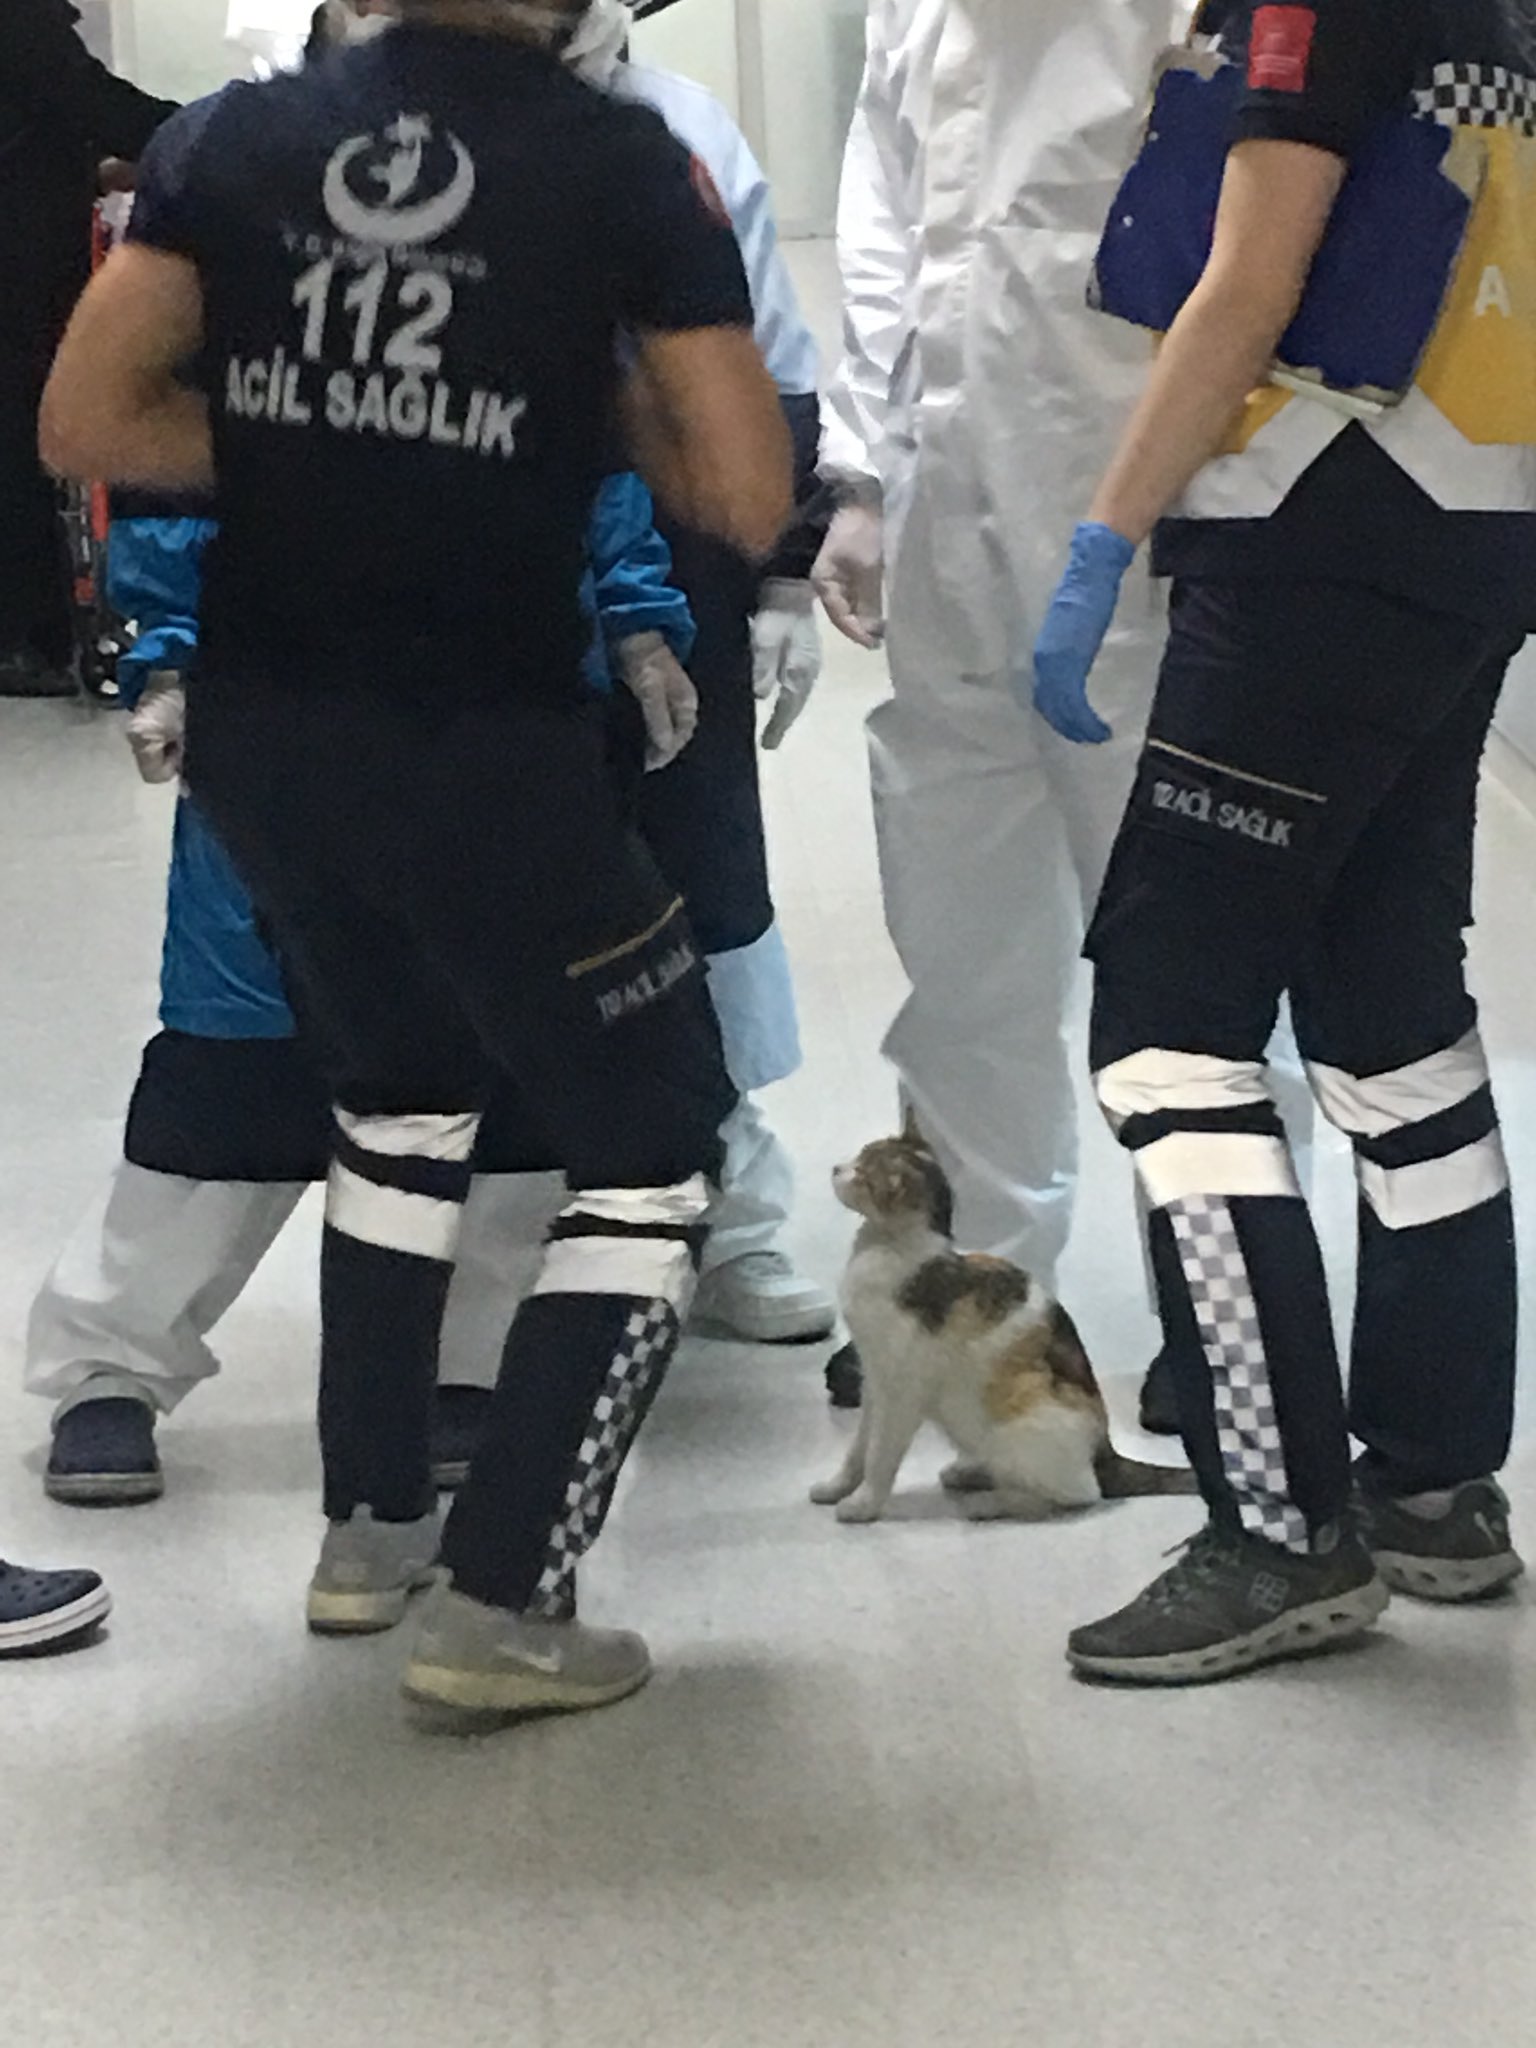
x=708, y=192
x=406, y=185
x=1280, y=50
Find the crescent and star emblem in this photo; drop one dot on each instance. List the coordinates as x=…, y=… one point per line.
x=395, y=221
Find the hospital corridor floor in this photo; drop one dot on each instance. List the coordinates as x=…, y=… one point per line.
x=862, y=1805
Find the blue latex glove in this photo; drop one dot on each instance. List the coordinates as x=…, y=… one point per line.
x=1074, y=630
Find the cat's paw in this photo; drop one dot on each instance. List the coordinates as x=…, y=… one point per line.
x=828, y=1492
x=965, y=1476
x=862, y=1506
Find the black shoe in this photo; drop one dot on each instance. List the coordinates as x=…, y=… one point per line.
x=1159, y=1400
x=1233, y=1602
x=104, y=1455
x=1461, y=1551
x=458, y=1423
x=48, y=1610
x=845, y=1378
x=28, y=675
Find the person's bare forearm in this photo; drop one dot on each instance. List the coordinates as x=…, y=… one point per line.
x=162, y=444
x=1219, y=350
x=1276, y=199
x=707, y=433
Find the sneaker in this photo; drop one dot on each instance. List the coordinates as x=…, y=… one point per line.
x=104, y=1455
x=458, y=1423
x=845, y=1377
x=1447, y=1546
x=1159, y=1401
x=1230, y=1603
x=368, y=1571
x=48, y=1610
x=761, y=1299
x=476, y=1666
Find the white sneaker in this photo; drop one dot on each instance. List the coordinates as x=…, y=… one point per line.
x=763, y=1300
x=367, y=1573
x=475, y=1664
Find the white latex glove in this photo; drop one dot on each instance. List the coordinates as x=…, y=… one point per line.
x=849, y=576
x=786, y=653
x=666, y=696
x=157, y=726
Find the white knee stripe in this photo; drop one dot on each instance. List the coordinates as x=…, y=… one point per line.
x=1153, y=1080
x=389, y=1217
x=1190, y=1163
x=449, y=1138
x=1407, y=1197
x=649, y=1268
x=682, y=1205
x=1378, y=1103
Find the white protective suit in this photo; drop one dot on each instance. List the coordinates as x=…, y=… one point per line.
x=985, y=399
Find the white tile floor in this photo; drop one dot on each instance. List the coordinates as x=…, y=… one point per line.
x=862, y=1806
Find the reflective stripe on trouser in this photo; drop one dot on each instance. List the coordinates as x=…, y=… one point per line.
x=1212, y=1161
x=393, y=1207
x=616, y=1284
x=1437, y=1296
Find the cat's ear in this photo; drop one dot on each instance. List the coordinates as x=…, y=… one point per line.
x=911, y=1131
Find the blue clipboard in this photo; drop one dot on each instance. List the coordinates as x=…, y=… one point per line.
x=1380, y=279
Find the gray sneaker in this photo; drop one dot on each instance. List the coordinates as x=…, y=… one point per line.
x=367, y=1573
x=1230, y=1603
x=1451, y=1547
x=477, y=1666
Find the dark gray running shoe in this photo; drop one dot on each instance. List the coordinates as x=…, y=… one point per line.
x=1233, y=1602
x=1460, y=1551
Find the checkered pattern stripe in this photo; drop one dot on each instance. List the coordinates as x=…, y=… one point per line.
x=650, y=1337
x=1479, y=96
x=1228, y=1320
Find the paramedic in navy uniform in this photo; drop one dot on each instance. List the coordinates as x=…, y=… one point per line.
x=407, y=280
x=1349, y=589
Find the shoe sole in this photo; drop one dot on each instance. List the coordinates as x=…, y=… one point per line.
x=1304, y=1632
x=813, y=1331
x=456, y=1702
x=719, y=1332
x=1449, y=1581
x=81, y=1618
x=362, y=1614
x=104, y=1489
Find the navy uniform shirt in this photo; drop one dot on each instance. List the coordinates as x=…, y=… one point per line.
x=418, y=261
x=1435, y=500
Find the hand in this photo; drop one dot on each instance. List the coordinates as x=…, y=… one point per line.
x=849, y=576
x=157, y=727
x=667, y=698
x=1074, y=630
x=786, y=654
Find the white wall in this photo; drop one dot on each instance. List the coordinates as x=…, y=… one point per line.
x=175, y=47
x=1517, y=713
x=697, y=38
x=788, y=70
x=812, y=56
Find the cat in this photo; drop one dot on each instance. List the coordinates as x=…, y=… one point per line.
x=973, y=1344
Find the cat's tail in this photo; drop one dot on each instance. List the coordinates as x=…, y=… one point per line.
x=1133, y=1479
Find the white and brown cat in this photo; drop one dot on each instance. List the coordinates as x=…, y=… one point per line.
x=976, y=1346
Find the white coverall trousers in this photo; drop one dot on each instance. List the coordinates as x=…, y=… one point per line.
x=986, y=399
